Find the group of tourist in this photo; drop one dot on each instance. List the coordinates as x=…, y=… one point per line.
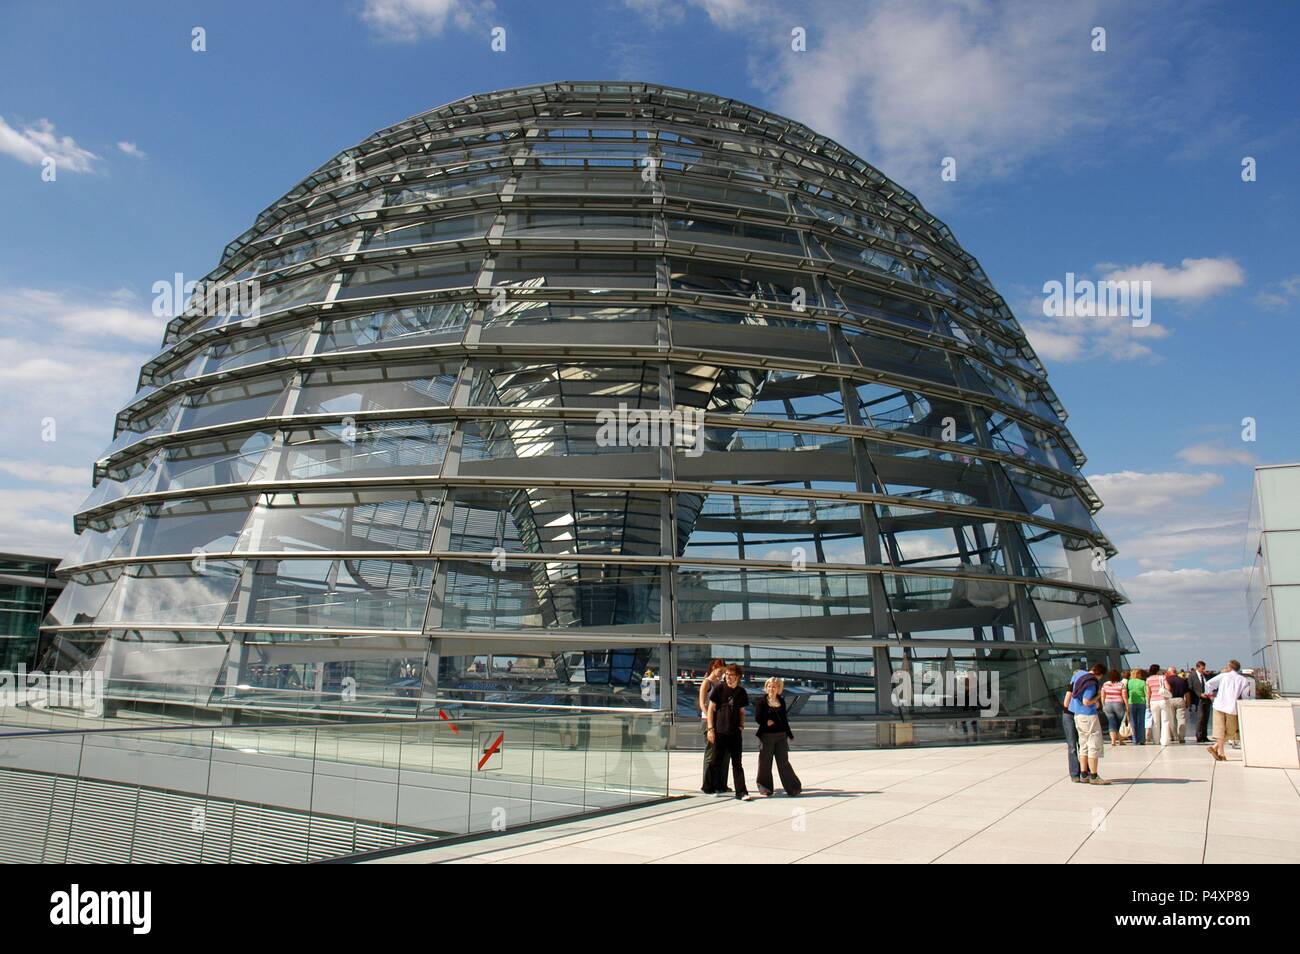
x=1148, y=706
x=723, y=701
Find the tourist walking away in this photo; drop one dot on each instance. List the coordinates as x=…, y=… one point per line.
x=1176, y=706
x=1085, y=703
x=773, y=721
x=712, y=679
x=1114, y=703
x=1137, y=705
x=1157, y=694
x=727, y=704
x=1199, y=713
x=1226, y=690
x=1067, y=727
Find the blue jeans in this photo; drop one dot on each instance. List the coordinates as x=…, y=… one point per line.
x=1071, y=742
x=1114, y=714
x=1137, y=717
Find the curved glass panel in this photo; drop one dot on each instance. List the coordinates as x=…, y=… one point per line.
x=516, y=415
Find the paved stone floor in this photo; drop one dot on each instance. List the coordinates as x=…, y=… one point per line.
x=992, y=803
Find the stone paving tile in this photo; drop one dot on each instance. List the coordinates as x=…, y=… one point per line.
x=980, y=804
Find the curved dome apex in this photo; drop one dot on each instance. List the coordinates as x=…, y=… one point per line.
x=598, y=377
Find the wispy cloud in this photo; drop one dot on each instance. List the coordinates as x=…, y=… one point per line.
x=1086, y=337
x=908, y=83
x=1132, y=492
x=132, y=150
x=37, y=142
x=1216, y=455
x=1179, y=616
x=407, y=21
x=723, y=13
x=68, y=360
x=1279, y=296
x=85, y=317
x=1107, y=333
x=1161, y=519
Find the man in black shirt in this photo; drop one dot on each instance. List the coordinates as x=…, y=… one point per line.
x=726, y=717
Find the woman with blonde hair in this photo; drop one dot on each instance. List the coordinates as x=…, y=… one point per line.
x=774, y=735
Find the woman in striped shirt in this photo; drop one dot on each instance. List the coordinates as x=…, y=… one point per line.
x=1157, y=696
x=1114, y=702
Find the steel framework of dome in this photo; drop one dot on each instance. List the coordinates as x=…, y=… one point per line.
x=389, y=491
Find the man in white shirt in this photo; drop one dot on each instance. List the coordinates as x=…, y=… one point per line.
x=1226, y=689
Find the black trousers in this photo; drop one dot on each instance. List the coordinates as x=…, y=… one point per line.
x=775, y=745
x=1203, y=719
x=728, y=748
x=711, y=782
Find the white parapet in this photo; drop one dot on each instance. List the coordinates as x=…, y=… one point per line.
x=1268, y=733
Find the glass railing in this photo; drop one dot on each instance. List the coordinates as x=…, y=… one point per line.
x=312, y=793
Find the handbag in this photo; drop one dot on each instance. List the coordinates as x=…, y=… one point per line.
x=1125, y=730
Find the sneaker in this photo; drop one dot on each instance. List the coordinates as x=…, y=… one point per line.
x=1075, y=778
x=744, y=797
x=765, y=792
x=707, y=791
x=1098, y=780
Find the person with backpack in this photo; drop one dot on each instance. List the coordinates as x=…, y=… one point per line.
x=774, y=735
x=1068, y=729
x=1085, y=696
x=726, y=725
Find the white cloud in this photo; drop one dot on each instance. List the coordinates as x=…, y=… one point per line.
x=1192, y=280
x=1159, y=520
x=1165, y=543
x=132, y=150
x=909, y=82
x=39, y=521
x=406, y=21
x=1129, y=492
x=61, y=475
x=68, y=361
x=1108, y=333
x=1215, y=455
x=86, y=318
x=33, y=144
x=1085, y=337
x=78, y=386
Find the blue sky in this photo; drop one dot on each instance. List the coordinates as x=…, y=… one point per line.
x=1122, y=163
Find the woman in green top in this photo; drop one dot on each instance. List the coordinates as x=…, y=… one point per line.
x=1137, y=706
